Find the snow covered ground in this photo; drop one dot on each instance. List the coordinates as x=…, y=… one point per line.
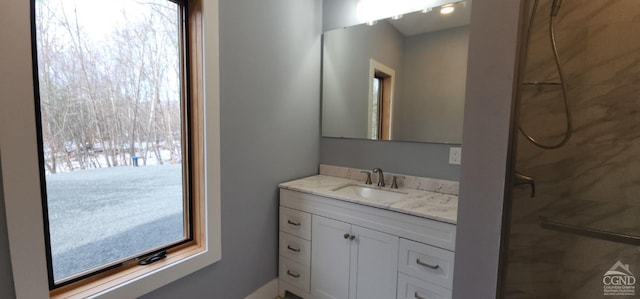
x=98, y=158
x=97, y=216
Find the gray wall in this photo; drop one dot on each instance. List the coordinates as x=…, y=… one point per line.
x=270, y=66
x=345, y=75
x=434, y=75
x=420, y=159
x=338, y=13
x=487, y=127
x=6, y=277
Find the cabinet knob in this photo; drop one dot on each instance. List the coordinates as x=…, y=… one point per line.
x=418, y=296
x=349, y=237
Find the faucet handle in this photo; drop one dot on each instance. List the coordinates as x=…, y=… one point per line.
x=368, y=181
x=394, y=184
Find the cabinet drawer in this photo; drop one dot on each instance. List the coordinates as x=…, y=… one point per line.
x=295, y=249
x=295, y=222
x=426, y=262
x=295, y=274
x=413, y=288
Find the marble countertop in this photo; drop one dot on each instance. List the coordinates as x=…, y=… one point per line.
x=426, y=204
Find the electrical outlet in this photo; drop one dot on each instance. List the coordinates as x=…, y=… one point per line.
x=455, y=155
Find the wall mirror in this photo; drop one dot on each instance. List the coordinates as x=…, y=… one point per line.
x=399, y=79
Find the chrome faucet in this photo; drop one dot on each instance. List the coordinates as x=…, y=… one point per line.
x=380, y=176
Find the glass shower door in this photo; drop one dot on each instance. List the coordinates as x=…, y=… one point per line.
x=579, y=236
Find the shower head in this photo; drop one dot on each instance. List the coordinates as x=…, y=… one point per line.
x=555, y=7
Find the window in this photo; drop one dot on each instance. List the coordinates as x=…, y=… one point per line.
x=80, y=151
x=375, y=111
x=113, y=132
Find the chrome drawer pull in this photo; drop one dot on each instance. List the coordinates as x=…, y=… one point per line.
x=293, y=249
x=293, y=223
x=418, y=296
x=295, y=275
x=419, y=262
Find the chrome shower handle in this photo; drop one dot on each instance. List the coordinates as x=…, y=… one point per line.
x=521, y=179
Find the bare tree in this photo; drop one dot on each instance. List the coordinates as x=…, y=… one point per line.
x=106, y=100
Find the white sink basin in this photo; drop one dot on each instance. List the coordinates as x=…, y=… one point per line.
x=371, y=193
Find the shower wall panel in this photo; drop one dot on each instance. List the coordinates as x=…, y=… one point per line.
x=594, y=180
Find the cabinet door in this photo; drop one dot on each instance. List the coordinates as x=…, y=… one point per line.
x=330, y=251
x=374, y=264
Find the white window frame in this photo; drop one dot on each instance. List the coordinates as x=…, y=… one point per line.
x=21, y=170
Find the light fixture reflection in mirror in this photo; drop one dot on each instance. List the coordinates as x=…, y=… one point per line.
x=372, y=10
x=447, y=9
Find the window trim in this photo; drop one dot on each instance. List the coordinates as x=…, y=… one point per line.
x=376, y=67
x=21, y=173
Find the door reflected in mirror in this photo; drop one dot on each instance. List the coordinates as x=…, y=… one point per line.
x=401, y=80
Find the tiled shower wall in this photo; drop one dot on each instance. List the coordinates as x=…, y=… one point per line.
x=594, y=180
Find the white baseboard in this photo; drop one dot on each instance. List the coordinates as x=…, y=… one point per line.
x=267, y=291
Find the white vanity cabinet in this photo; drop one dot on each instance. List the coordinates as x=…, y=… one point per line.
x=360, y=252
x=352, y=262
